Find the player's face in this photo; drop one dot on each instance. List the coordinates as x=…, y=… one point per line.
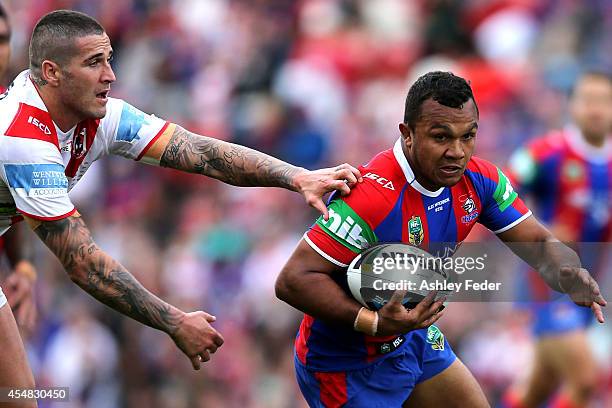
x=87, y=78
x=5, y=49
x=441, y=144
x=591, y=106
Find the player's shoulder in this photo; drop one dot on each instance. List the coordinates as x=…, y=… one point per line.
x=547, y=145
x=24, y=120
x=483, y=168
x=383, y=181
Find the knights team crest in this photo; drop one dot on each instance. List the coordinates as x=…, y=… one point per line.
x=415, y=230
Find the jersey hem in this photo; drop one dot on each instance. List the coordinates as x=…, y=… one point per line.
x=323, y=254
x=41, y=218
x=340, y=367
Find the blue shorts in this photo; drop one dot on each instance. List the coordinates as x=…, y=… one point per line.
x=386, y=383
x=560, y=317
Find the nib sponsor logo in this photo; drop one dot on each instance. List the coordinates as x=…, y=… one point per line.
x=346, y=229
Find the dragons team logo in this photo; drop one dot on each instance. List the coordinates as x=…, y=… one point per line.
x=78, y=145
x=435, y=338
x=415, y=230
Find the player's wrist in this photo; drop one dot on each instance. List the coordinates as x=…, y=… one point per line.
x=366, y=321
x=25, y=268
x=296, y=178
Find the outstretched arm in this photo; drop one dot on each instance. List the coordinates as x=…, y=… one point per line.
x=109, y=282
x=557, y=263
x=237, y=165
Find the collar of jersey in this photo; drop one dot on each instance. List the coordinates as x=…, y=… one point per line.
x=574, y=139
x=409, y=174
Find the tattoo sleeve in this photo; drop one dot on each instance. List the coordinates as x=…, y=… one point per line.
x=102, y=277
x=228, y=162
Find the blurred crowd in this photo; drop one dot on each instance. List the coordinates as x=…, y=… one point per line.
x=316, y=83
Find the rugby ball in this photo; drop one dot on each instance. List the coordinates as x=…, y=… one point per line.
x=375, y=274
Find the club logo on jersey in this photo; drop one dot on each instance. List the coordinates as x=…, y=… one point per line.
x=346, y=227
x=573, y=171
x=79, y=143
x=470, y=208
x=415, y=230
x=386, y=183
x=435, y=337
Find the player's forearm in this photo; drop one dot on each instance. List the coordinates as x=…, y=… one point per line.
x=317, y=295
x=228, y=162
x=549, y=257
x=104, y=278
x=555, y=258
x=14, y=244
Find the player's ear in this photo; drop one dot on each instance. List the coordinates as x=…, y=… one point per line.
x=407, y=134
x=50, y=72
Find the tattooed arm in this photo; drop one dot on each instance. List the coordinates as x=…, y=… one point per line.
x=237, y=165
x=109, y=282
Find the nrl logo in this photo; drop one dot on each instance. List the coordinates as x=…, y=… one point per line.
x=415, y=230
x=435, y=338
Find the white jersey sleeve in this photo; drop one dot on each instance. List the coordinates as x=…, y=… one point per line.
x=34, y=176
x=129, y=131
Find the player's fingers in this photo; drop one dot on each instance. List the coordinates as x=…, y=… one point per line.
x=15, y=295
x=320, y=206
x=435, y=307
x=209, y=318
x=341, y=186
x=195, y=362
x=431, y=320
x=398, y=296
x=204, y=356
x=354, y=171
x=596, y=293
x=218, y=339
x=347, y=176
x=426, y=302
x=597, y=312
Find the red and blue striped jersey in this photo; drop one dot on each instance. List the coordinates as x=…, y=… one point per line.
x=570, y=181
x=391, y=206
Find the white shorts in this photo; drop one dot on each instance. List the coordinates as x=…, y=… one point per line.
x=2, y=298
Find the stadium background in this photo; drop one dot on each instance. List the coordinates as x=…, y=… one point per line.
x=315, y=82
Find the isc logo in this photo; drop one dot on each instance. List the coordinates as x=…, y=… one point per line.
x=345, y=229
x=44, y=128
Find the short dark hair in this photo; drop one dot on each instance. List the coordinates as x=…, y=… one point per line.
x=2, y=12
x=445, y=88
x=54, y=36
x=591, y=73
x=4, y=16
